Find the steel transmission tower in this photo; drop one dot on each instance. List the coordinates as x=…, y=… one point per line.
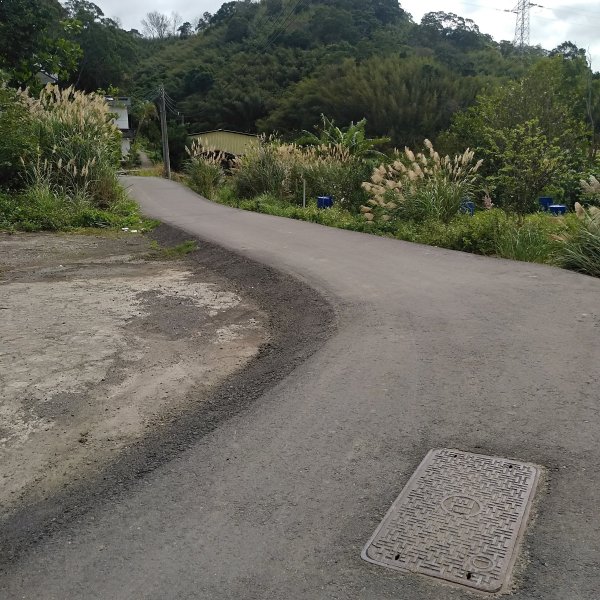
x=522, y=26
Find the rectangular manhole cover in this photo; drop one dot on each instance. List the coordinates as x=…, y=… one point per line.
x=459, y=518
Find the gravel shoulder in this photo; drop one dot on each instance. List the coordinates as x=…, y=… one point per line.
x=103, y=339
x=115, y=361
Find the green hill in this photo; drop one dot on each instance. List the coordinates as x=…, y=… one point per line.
x=279, y=64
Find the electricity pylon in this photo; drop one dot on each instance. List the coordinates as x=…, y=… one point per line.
x=522, y=25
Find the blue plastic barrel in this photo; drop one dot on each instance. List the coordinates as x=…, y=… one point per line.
x=324, y=201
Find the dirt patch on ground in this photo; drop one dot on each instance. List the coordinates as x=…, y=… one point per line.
x=102, y=340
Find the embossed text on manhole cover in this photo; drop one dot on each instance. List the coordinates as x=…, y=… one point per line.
x=459, y=518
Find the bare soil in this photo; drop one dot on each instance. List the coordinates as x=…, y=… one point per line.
x=102, y=340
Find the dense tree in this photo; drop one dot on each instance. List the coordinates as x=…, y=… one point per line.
x=404, y=99
x=279, y=64
x=185, y=30
x=548, y=93
x=34, y=36
x=109, y=53
x=531, y=133
x=527, y=163
x=225, y=13
x=203, y=22
x=452, y=27
x=237, y=29
x=17, y=135
x=569, y=50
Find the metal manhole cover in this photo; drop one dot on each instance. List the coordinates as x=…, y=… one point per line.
x=459, y=518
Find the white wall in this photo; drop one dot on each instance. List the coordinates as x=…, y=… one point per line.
x=122, y=120
x=125, y=147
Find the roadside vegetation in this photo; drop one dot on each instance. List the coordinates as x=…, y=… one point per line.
x=444, y=121
x=481, y=198
x=158, y=252
x=59, y=161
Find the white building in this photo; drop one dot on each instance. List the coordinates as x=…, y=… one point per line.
x=120, y=107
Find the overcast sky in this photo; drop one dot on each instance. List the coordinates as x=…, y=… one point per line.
x=559, y=20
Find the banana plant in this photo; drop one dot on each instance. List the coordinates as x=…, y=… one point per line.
x=353, y=138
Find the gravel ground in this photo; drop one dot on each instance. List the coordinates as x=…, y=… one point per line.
x=281, y=322
x=104, y=339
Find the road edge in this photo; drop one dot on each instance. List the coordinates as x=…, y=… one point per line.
x=301, y=319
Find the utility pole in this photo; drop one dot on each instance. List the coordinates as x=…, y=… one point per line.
x=164, y=132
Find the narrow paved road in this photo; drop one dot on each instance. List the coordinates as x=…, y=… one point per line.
x=433, y=349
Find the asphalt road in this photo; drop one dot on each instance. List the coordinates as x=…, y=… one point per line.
x=432, y=349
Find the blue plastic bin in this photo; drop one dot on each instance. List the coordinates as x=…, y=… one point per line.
x=324, y=201
x=557, y=209
x=467, y=207
x=545, y=202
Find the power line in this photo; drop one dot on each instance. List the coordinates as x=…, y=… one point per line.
x=170, y=105
x=594, y=15
x=151, y=96
x=273, y=22
x=525, y=26
x=284, y=23
x=264, y=20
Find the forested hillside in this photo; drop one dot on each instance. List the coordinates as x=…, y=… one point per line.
x=277, y=65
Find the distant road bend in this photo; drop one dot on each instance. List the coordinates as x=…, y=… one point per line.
x=432, y=349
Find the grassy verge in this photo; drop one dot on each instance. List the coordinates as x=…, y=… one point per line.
x=534, y=238
x=159, y=252
x=39, y=208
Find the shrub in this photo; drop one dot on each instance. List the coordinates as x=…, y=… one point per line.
x=580, y=246
x=591, y=190
x=480, y=233
x=226, y=195
x=532, y=239
x=527, y=164
x=477, y=234
x=421, y=187
x=133, y=159
x=39, y=208
x=280, y=169
x=260, y=170
x=204, y=169
x=353, y=138
x=17, y=138
x=78, y=145
x=492, y=233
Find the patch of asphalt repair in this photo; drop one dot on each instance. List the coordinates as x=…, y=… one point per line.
x=300, y=320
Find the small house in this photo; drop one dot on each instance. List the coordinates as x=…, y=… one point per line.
x=120, y=107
